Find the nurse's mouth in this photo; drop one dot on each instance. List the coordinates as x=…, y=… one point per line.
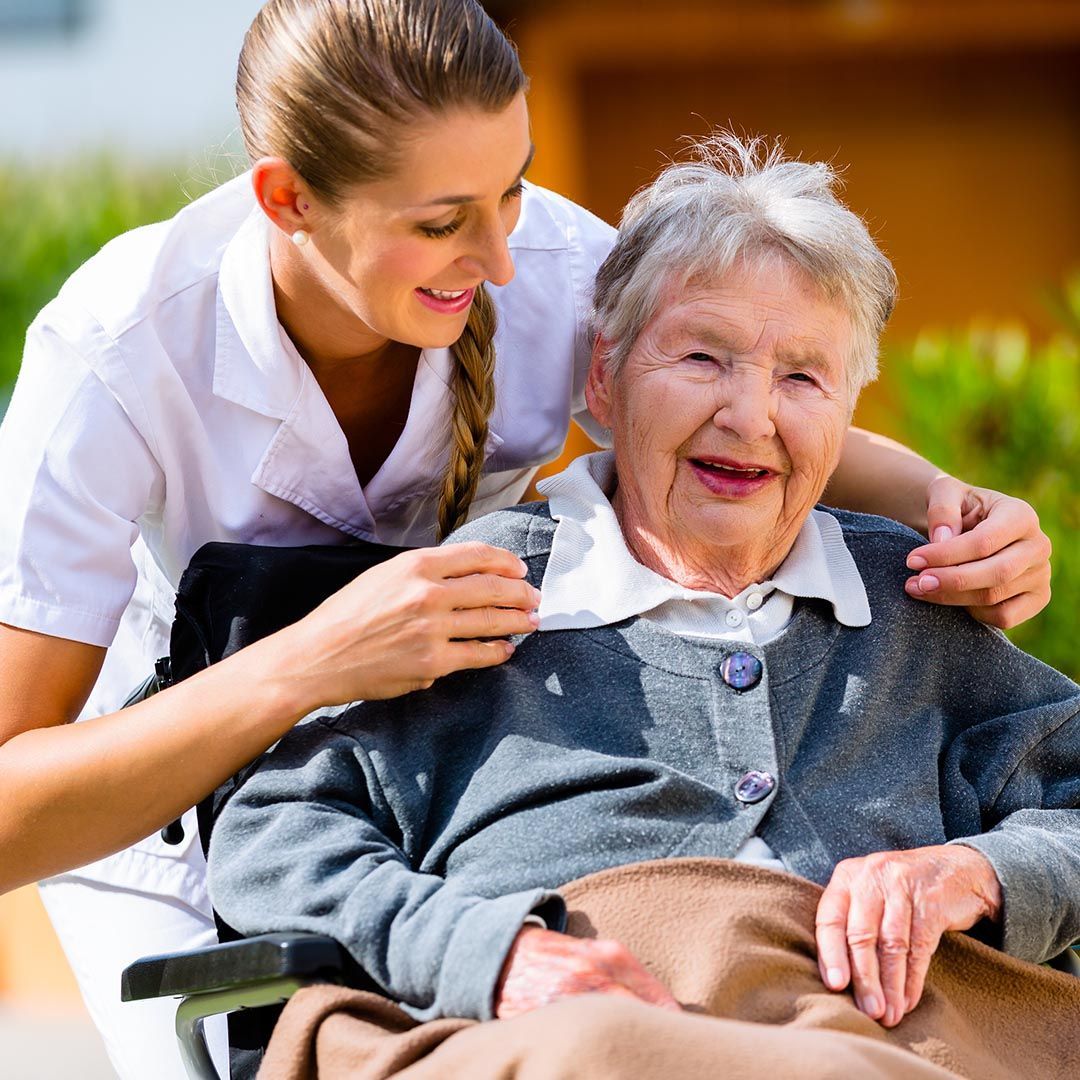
x=446, y=302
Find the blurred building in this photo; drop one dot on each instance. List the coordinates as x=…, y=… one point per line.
x=146, y=79
x=956, y=124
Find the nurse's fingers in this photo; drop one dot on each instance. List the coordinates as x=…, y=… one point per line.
x=1014, y=611
x=987, y=591
x=490, y=590
x=492, y=622
x=946, y=498
x=460, y=560
x=463, y=655
x=979, y=546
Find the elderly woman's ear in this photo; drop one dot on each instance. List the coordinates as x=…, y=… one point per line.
x=598, y=384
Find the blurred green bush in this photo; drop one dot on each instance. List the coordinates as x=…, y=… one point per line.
x=59, y=219
x=997, y=410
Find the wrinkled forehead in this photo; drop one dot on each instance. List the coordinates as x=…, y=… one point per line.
x=768, y=297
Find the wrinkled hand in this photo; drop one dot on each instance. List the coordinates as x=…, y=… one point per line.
x=406, y=622
x=543, y=967
x=881, y=917
x=987, y=554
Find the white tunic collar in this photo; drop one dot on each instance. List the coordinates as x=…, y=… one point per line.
x=307, y=462
x=592, y=579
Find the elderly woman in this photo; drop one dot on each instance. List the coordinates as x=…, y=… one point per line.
x=729, y=700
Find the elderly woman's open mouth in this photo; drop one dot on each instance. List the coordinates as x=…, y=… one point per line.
x=730, y=478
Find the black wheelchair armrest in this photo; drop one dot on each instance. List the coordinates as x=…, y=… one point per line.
x=270, y=957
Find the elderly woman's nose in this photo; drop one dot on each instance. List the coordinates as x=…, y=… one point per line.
x=748, y=411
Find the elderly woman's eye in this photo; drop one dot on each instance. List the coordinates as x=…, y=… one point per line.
x=705, y=358
x=801, y=376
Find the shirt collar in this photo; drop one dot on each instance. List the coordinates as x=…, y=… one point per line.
x=255, y=364
x=592, y=579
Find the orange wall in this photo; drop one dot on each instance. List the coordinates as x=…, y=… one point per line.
x=32, y=966
x=956, y=124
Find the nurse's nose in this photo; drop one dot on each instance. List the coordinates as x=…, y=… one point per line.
x=490, y=257
x=747, y=409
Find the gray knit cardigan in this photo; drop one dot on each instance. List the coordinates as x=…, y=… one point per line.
x=421, y=831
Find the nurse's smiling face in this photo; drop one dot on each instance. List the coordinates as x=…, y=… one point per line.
x=398, y=259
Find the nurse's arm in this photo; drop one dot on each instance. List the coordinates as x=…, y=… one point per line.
x=989, y=553
x=74, y=793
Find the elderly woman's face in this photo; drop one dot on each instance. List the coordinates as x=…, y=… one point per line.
x=729, y=413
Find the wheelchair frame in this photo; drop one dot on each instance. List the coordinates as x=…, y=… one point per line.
x=266, y=970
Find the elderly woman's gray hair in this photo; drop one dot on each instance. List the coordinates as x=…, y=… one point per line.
x=742, y=199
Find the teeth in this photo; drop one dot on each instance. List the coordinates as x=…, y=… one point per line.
x=440, y=295
x=731, y=469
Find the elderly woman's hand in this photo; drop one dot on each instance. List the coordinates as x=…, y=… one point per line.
x=881, y=918
x=988, y=554
x=544, y=967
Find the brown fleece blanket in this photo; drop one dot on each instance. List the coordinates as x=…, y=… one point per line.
x=735, y=944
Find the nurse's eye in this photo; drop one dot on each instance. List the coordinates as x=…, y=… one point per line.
x=437, y=232
x=514, y=193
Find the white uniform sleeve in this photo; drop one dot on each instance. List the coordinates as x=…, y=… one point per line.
x=590, y=241
x=75, y=477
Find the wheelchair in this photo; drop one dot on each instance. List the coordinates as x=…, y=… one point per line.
x=231, y=595
x=263, y=971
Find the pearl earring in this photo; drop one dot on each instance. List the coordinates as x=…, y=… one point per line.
x=300, y=237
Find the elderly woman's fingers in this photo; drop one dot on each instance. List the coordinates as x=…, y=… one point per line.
x=925, y=938
x=863, y=937
x=543, y=967
x=893, y=948
x=895, y=906
x=831, y=931
x=628, y=970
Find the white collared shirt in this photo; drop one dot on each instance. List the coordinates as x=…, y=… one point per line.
x=593, y=580
x=161, y=405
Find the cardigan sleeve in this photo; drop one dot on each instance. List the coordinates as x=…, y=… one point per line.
x=308, y=844
x=1020, y=761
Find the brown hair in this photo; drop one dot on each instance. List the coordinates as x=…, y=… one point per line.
x=328, y=85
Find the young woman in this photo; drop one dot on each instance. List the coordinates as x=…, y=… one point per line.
x=308, y=355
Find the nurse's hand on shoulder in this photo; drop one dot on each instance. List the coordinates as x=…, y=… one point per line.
x=987, y=554
x=407, y=622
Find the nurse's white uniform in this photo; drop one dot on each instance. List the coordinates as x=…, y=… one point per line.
x=160, y=405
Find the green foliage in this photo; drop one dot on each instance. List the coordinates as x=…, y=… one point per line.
x=59, y=219
x=993, y=408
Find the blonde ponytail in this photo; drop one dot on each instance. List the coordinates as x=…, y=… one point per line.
x=474, y=398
